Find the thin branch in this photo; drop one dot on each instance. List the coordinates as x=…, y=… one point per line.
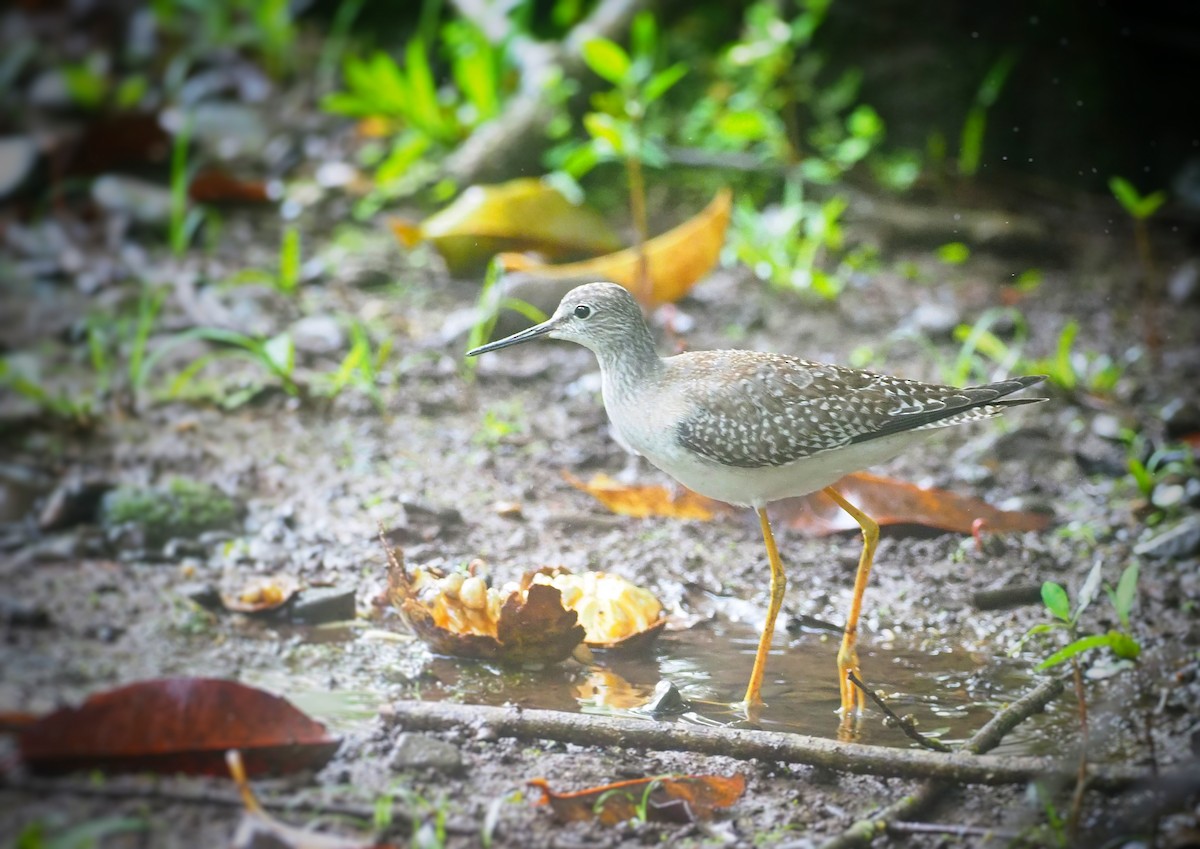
x=783, y=747
x=989, y=736
x=910, y=730
x=902, y=827
x=863, y=832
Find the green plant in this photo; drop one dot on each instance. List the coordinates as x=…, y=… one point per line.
x=1140, y=208
x=77, y=410
x=970, y=145
x=264, y=29
x=641, y=803
x=981, y=352
x=488, y=307
x=1120, y=642
x=791, y=245
x=1149, y=466
x=276, y=355
x=84, y=835
x=184, y=218
x=499, y=423
x=360, y=367
x=286, y=276
x=409, y=96
x=616, y=124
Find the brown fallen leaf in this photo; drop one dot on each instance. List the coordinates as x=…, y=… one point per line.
x=216, y=186
x=172, y=725
x=259, y=829
x=682, y=799
x=886, y=500
x=893, y=502
x=641, y=501
x=676, y=260
x=523, y=214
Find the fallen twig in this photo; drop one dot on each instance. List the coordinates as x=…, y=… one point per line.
x=902, y=827
x=586, y=729
x=910, y=730
x=862, y=832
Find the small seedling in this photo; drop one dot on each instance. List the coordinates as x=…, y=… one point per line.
x=487, y=312
x=1140, y=209
x=1120, y=643
x=616, y=127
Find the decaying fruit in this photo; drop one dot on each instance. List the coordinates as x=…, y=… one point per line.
x=613, y=611
x=542, y=619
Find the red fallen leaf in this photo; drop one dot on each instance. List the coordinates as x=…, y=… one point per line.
x=683, y=799
x=172, y=725
x=216, y=187
x=892, y=502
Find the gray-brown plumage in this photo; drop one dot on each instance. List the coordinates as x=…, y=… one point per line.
x=750, y=428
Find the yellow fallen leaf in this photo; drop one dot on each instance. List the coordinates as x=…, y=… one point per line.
x=522, y=214
x=648, y=500
x=676, y=260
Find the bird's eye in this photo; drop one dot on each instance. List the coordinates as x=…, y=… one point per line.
x=583, y=311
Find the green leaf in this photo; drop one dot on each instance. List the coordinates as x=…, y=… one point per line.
x=1056, y=601
x=1124, y=646
x=607, y=59
x=604, y=128
x=1078, y=647
x=1137, y=205
x=865, y=123
x=970, y=144
x=1041, y=628
x=954, y=253
x=289, y=261
x=280, y=354
x=643, y=35
x=1087, y=592
x=663, y=81
x=1126, y=593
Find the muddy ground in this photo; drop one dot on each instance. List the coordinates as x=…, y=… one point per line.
x=460, y=466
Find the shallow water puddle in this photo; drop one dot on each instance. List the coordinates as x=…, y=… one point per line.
x=949, y=691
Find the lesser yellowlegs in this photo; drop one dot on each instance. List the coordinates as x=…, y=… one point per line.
x=750, y=428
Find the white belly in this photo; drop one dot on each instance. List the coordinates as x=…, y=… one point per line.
x=756, y=487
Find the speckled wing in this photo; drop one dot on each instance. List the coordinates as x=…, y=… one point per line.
x=752, y=410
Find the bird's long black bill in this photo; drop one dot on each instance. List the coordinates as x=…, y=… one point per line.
x=516, y=339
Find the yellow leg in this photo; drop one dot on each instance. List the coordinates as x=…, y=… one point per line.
x=847, y=657
x=778, y=585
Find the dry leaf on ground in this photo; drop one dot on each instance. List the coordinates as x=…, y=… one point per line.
x=171, y=725
x=684, y=799
x=893, y=502
x=522, y=214
x=886, y=500
x=641, y=501
x=676, y=260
